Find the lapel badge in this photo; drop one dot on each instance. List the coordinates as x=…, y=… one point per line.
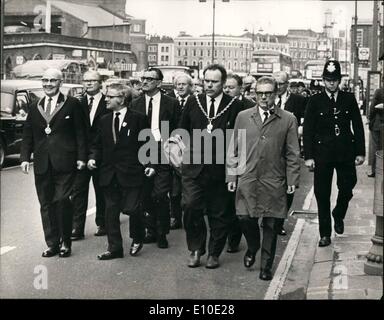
x=124, y=124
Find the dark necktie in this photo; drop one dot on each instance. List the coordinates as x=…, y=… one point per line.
x=266, y=115
x=149, y=114
x=49, y=107
x=117, y=125
x=333, y=98
x=212, y=108
x=90, y=104
x=182, y=103
x=279, y=102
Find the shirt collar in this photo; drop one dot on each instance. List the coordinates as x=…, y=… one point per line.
x=217, y=99
x=97, y=96
x=335, y=94
x=122, y=113
x=155, y=97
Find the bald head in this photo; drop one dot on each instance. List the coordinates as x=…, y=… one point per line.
x=183, y=84
x=52, y=73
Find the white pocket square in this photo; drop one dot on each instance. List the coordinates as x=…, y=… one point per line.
x=67, y=117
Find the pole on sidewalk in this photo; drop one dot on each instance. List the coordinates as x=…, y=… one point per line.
x=374, y=263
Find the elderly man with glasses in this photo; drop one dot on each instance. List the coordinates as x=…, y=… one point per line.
x=162, y=111
x=263, y=167
x=54, y=132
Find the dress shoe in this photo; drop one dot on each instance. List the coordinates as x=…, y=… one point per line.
x=282, y=232
x=212, y=262
x=194, y=259
x=162, y=242
x=324, y=242
x=65, y=251
x=233, y=249
x=108, y=255
x=249, y=259
x=77, y=235
x=265, y=274
x=339, y=226
x=50, y=252
x=371, y=175
x=135, y=248
x=100, y=231
x=176, y=224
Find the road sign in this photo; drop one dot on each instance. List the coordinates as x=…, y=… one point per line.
x=363, y=54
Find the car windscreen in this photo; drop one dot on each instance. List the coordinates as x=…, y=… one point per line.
x=7, y=100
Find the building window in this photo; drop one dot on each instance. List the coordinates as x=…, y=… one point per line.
x=178, y=52
x=194, y=52
x=136, y=28
x=208, y=53
x=360, y=35
x=162, y=49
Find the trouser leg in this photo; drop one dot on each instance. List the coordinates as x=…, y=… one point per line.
x=322, y=188
x=250, y=228
x=268, y=248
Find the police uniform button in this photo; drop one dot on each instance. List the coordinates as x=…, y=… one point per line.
x=263, y=137
x=335, y=117
x=346, y=111
x=321, y=113
x=318, y=142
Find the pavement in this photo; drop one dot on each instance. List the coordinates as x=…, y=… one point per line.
x=339, y=270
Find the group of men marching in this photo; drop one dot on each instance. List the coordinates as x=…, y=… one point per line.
x=240, y=161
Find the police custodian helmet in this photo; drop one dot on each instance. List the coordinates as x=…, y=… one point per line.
x=332, y=70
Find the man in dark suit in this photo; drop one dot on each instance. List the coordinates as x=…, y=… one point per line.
x=163, y=113
x=93, y=107
x=183, y=91
x=232, y=88
x=54, y=132
x=115, y=150
x=203, y=176
x=295, y=104
x=329, y=144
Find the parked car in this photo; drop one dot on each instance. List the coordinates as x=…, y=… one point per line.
x=72, y=70
x=16, y=99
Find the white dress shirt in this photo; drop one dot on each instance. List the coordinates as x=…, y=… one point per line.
x=335, y=94
x=262, y=115
x=95, y=103
x=155, y=114
x=53, y=102
x=121, y=117
x=216, y=103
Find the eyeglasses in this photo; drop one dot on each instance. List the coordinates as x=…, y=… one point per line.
x=149, y=79
x=282, y=83
x=111, y=97
x=44, y=80
x=90, y=80
x=266, y=93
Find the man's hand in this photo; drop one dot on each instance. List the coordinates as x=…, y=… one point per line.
x=291, y=189
x=310, y=163
x=149, y=172
x=91, y=164
x=80, y=165
x=25, y=167
x=359, y=160
x=232, y=186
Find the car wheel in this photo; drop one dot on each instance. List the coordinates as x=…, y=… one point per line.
x=2, y=155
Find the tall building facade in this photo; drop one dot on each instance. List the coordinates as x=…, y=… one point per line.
x=232, y=52
x=161, y=51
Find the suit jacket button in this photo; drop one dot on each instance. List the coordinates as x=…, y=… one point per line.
x=335, y=117
x=318, y=142
x=321, y=113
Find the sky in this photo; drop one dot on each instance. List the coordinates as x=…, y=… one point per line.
x=169, y=17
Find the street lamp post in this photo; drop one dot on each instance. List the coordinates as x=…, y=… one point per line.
x=356, y=58
x=213, y=26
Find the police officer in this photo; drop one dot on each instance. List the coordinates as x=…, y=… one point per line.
x=330, y=144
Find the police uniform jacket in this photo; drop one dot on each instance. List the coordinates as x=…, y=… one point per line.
x=323, y=142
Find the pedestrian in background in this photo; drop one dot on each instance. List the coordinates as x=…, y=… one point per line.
x=55, y=132
x=263, y=167
x=329, y=144
x=93, y=107
x=183, y=92
x=376, y=125
x=233, y=87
